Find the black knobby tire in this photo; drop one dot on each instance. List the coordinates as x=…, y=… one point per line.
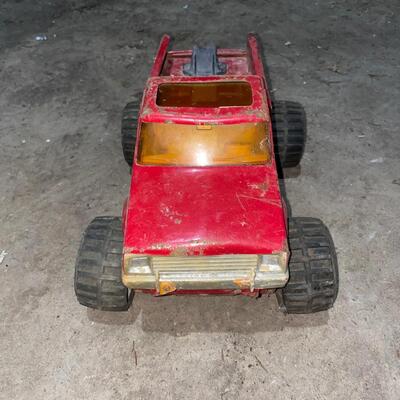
x=98, y=266
x=289, y=132
x=128, y=130
x=313, y=269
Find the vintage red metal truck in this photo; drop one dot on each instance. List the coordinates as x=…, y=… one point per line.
x=205, y=214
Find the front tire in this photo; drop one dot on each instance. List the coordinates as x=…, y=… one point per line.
x=313, y=269
x=98, y=265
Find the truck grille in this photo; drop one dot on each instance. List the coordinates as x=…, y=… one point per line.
x=234, y=272
x=206, y=266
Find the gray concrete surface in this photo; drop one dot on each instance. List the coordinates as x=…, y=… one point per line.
x=61, y=165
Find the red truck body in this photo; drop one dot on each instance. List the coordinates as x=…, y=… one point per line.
x=205, y=210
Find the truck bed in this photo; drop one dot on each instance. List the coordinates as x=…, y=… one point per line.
x=237, y=62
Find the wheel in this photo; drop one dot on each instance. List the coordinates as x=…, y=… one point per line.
x=289, y=132
x=128, y=130
x=98, y=266
x=313, y=269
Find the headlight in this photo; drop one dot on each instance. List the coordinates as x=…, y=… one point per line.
x=134, y=264
x=273, y=262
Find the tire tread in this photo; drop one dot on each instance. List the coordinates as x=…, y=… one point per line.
x=97, y=279
x=128, y=130
x=313, y=270
x=289, y=131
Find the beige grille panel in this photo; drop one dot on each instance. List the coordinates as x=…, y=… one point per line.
x=237, y=262
x=231, y=272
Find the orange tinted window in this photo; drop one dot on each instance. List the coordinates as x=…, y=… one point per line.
x=206, y=94
x=201, y=145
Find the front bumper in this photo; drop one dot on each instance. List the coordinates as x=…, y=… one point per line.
x=205, y=273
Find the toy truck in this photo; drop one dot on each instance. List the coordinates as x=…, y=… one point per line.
x=205, y=214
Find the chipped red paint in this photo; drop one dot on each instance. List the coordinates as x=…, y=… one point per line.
x=175, y=210
x=205, y=211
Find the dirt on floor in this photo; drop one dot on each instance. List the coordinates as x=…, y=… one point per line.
x=61, y=165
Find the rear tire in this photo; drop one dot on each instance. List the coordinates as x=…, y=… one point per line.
x=289, y=131
x=313, y=269
x=128, y=130
x=98, y=265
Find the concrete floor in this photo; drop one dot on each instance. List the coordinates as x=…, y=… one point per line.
x=61, y=165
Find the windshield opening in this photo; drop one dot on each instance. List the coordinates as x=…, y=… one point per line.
x=204, y=94
x=203, y=145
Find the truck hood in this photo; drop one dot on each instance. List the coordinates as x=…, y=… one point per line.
x=204, y=211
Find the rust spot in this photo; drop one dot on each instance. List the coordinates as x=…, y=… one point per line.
x=242, y=283
x=166, y=287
